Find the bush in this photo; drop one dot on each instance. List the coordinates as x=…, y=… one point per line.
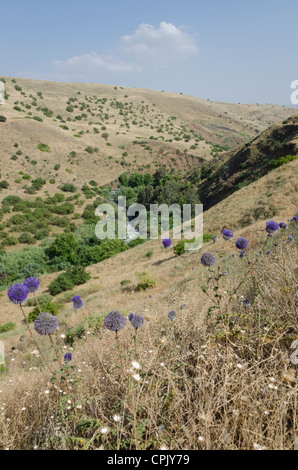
x=7, y=327
x=146, y=281
x=65, y=246
x=38, y=183
x=66, y=281
x=68, y=187
x=26, y=238
x=4, y=184
x=2, y=118
x=74, y=333
x=282, y=161
x=135, y=242
x=43, y=147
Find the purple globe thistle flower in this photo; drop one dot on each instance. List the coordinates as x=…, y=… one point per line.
x=295, y=218
x=137, y=321
x=224, y=273
x=214, y=238
x=46, y=324
x=242, y=254
x=283, y=225
x=167, y=242
x=18, y=293
x=208, y=259
x=115, y=321
x=272, y=227
x=67, y=357
x=227, y=234
x=78, y=302
x=32, y=283
x=242, y=243
x=172, y=315
x=246, y=303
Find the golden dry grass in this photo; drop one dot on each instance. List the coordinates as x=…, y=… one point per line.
x=219, y=123
x=218, y=381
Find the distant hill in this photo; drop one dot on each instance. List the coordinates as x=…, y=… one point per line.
x=94, y=131
x=275, y=147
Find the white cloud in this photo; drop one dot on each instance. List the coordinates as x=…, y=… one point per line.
x=155, y=47
x=159, y=45
x=93, y=62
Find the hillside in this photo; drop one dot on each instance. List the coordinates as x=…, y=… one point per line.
x=107, y=129
x=211, y=366
x=276, y=146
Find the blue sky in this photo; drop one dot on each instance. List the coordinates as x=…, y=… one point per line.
x=224, y=50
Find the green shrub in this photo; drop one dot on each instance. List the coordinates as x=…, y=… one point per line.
x=43, y=147
x=2, y=118
x=46, y=306
x=68, y=187
x=135, y=242
x=282, y=161
x=7, y=327
x=74, y=333
x=64, y=246
x=26, y=238
x=4, y=184
x=66, y=281
x=145, y=281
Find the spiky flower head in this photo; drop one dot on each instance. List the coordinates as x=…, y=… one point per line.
x=18, y=293
x=32, y=283
x=214, y=238
x=67, y=357
x=227, y=234
x=295, y=218
x=115, y=321
x=172, y=315
x=283, y=225
x=46, y=324
x=78, y=302
x=167, y=242
x=137, y=321
x=246, y=303
x=242, y=243
x=208, y=259
x=272, y=227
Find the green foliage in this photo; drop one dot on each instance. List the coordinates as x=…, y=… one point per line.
x=74, y=276
x=65, y=246
x=68, y=187
x=135, y=242
x=46, y=306
x=26, y=238
x=19, y=264
x=9, y=326
x=43, y=147
x=282, y=161
x=2, y=118
x=4, y=184
x=145, y=281
x=74, y=333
